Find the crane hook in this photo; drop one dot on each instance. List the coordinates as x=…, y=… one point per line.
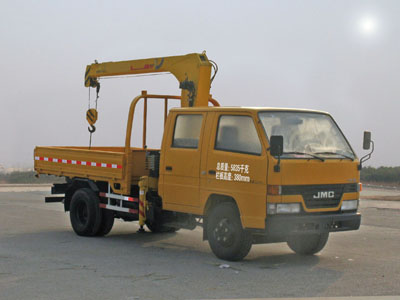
x=92, y=128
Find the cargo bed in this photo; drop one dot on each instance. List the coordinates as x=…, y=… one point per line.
x=110, y=164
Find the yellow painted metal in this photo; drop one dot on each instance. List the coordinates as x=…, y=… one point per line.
x=131, y=160
x=91, y=116
x=133, y=170
x=146, y=96
x=251, y=197
x=131, y=114
x=146, y=183
x=143, y=188
x=193, y=71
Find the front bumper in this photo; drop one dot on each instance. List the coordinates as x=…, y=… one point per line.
x=284, y=225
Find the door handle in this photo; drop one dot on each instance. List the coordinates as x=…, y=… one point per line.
x=168, y=168
x=211, y=172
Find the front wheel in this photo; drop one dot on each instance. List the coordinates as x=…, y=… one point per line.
x=226, y=236
x=308, y=244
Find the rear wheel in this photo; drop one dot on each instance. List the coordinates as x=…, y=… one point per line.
x=308, y=244
x=107, y=222
x=226, y=236
x=85, y=214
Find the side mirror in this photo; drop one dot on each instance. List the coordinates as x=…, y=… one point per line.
x=367, y=140
x=276, y=145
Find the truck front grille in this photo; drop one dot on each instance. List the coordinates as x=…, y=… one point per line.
x=320, y=196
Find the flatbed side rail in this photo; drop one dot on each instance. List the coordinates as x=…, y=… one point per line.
x=96, y=165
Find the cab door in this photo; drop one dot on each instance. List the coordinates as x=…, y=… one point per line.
x=237, y=165
x=181, y=163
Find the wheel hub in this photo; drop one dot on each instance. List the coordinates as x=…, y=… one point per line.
x=224, y=233
x=82, y=213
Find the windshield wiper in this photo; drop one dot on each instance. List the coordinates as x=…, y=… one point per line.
x=336, y=153
x=305, y=153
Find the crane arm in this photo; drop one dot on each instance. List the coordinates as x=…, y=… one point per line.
x=193, y=71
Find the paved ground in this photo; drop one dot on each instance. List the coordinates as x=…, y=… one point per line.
x=41, y=258
x=380, y=193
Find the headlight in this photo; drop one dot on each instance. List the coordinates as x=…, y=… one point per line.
x=350, y=205
x=283, y=208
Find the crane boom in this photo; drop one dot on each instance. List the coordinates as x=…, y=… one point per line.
x=193, y=72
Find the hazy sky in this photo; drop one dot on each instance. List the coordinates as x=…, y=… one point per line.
x=339, y=56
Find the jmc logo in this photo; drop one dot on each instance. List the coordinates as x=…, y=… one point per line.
x=327, y=194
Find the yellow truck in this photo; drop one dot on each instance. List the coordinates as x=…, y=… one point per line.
x=246, y=175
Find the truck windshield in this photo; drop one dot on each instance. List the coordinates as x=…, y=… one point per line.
x=307, y=133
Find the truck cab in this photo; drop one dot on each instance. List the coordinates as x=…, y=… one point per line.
x=211, y=156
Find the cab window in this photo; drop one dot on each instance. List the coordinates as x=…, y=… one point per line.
x=187, y=131
x=237, y=134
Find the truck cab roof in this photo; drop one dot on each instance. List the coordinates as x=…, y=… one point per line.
x=244, y=109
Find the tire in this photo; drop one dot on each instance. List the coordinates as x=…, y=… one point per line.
x=107, y=222
x=226, y=236
x=157, y=227
x=308, y=244
x=85, y=214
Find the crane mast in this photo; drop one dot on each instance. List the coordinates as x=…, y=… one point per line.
x=193, y=71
